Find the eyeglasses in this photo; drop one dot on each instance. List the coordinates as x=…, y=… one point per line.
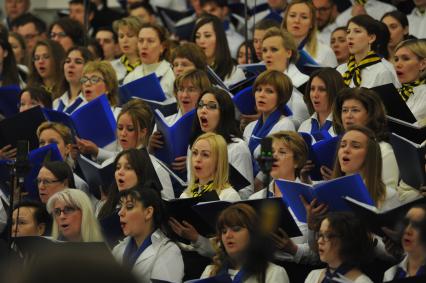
x=323, y=10
x=67, y=210
x=60, y=34
x=93, y=80
x=40, y=57
x=30, y=36
x=326, y=237
x=46, y=182
x=414, y=224
x=209, y=105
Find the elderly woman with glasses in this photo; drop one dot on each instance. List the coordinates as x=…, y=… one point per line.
x=73, y=217
x=54, y=176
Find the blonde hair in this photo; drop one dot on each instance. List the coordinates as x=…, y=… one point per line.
x=219, y=150
x=109, y=75
x=296, y=144
x=311, y=44
x=61, y=129
x=287, y=41
x=132, y=22
x=418, y=47
x=90, y=229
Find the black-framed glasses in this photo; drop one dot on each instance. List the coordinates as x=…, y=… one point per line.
x=326, y=237
x=60, y=34
x=66, y=210
x=211, y=105
x=46, y=182
x=93, y=80
x=414, y=224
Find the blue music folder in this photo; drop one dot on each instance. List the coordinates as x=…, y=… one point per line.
x=331, y=193
x=323, y=153
x=175, y=137
x=9, y=100
x=146, y=88
x=245, y=102
x=93, y=121
x=36, y=158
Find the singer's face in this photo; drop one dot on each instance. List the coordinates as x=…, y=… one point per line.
x=319, y=96
x=411, y=238
x=352, y=152
x=328, y=244
x=48, y=184
x=203, y=161
x=125, y=175
x=274, y=54
x=266, y=99
x=354, y=113
x=284, y=165
x=235, y=240
x=26, y=224
x=208, y=113
x=49, y=136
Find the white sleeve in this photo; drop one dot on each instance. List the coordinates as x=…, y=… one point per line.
x=204, y=247
x=169, y=264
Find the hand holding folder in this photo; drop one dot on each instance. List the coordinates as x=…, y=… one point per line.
x=330, y=193
x=322, y=153
x=93, y=121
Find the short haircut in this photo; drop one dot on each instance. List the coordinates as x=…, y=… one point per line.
x=131, y=22
x=40, y=214
x=111, y=30
x=199, y=79
x=296, y=144
x=287, y=41
x=265, y=24
x=192, y=52
x=72, y=28
x=280, y=82
x=24, y=19
x=418, y=47
x=109, y=75
x=220, y=3
x=61, y=129
x=143, y=5
x=62, y=171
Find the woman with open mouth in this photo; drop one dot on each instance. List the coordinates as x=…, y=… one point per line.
x=322, y=89
x=127, y=30
x=272, y=90
x=209, y=35
x=152, y=48
x=339, y=45
x=365, y=67
x=147, y=250
x=216, y=114
x=73, y=65
x=46, y=69
x=299, y=20
x=279, y=52
x=363, y=107
x=245, y=251
x=188, y=88
x=410, y=66
x=414, y=245
x=73, y=217
x=343, y=244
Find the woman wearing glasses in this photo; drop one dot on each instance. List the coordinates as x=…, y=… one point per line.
x=67, y=32
x=54, y=176
x=46, y=70
x=73, y=217
x=216, y=114
x=74, y=62
x=188, y=88
x=343, y=244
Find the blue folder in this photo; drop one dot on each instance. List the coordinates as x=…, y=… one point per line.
x=245, y=102
x=175, y=137
x=331, y=193
x=323, y=153
x=36, y=157
x=255, y=68
x=147, y=87
x=9, y=100
x=93, y=121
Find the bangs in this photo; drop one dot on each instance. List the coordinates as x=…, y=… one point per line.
x=230, y=217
